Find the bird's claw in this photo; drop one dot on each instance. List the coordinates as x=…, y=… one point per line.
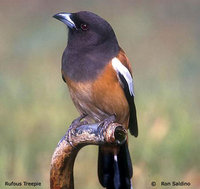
x=106, y=122
x=109, y=120
x=72, y=128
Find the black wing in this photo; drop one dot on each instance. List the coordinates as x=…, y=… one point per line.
x=133, y=126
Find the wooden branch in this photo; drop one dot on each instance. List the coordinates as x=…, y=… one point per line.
x=61, y=173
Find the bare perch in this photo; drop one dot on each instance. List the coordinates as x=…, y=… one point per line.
x=61, y=173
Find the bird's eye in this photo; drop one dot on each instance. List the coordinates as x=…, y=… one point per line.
x=84, y=27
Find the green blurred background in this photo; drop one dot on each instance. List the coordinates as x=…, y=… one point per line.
x=162, y=41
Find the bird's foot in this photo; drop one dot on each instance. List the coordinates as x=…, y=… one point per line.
x=75, y=124
x=106, y=122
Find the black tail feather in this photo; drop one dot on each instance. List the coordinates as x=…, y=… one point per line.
x=105, y=168
x=115, y=172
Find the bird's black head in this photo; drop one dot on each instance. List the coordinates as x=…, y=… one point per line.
x=86, y=30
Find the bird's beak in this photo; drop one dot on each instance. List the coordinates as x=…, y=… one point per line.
x=66, y=19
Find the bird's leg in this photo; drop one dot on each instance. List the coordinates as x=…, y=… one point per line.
x=76, y=123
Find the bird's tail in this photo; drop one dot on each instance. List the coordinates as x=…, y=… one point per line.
x=115, y=169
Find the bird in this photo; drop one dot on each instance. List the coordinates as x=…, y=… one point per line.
x=99, y=77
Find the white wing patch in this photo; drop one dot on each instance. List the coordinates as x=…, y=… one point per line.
x=120, y=68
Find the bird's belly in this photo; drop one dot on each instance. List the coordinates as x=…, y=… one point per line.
x=100, y=104
x=112, y=101
x=82, y=96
